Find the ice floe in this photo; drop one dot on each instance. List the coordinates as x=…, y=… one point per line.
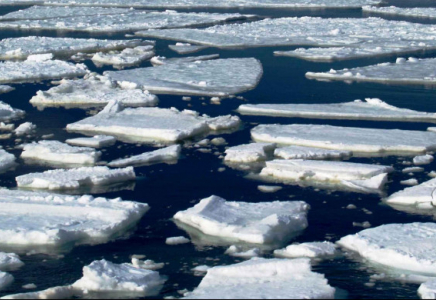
x=370, y=109
x=221, y=77
x=299, y=152
x=7, y=161
x=269, y=188
x=93, y=90
x=126, y=58
x=423, y=160
x=185, y=48
x=25, y=129
x=427, y=290
x=74, y=179
x=8, y=113
x=6, y=280
x=420, y=196
x=237, y=251
x=410, y=182
x=159, y=60
x=6, y=89
x=264, y=278
x=413, y=170
x=168, y=154
x=357, y=140
x=256, y=223
x=310, y=250
x=10, y=262
x=98, y=141
x=407, y=247
x=414, y=12
x=59, y=292
x=179, y=240
x=250, y=153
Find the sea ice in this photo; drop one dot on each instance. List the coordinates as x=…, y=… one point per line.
x=98, y=141
x=59, y=292
x=179, y=240
x=25, y=129
x=299, y=152
x=126, y=58
x=147, y=264
x=410, y=182
x=413, y=170
x=8, y=113
x=75, y=178
x=414, y=12
x=420, y=196
x=256, y=223
x=10, y=262
x=168, y=154
x=250, y=153
x=264, y=278
x=427, y=290
x=310, y=250
x=6, y=89
x=6, y=279
x=184, y=48
x=363, y=140
x=239, y=252
x=220, y=77
x=269, y=188
x=159, y=60
x=423, y=160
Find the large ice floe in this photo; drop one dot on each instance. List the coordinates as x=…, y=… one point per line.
x=421, y=197
x=405, y=247
x=250, y=153
x=126, y=58
x=57, y=153
x=74, y=179
x=358, y=140
x=221, y=77
x=266, y=279
x=93, y=90
x=357, y=177
x=255, y=223
x=415, y=12
x=8, y=113
x=7, y=161
x=411, y=71
x=150, y=125
x=35, y=218
x=370, y=109
x=168, y=154
x=299, y=152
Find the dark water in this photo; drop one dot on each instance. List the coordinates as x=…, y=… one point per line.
x=171, y=188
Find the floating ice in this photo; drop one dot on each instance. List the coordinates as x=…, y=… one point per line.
x=310, y=250
x=6, y=89
x=168, y=154
x=299, y=152
x=370, y=109
x=421, y=196
x=269, y=189
x=177, y=241
x=264, y=278
x=427, y=290
x=239, y=252
x=75, y=178
x=408, y=247
x=183, y=48
x=59, y=292
x=10, y=262
x=98, y=141
x=250, y=153
x=93, y=90
x=361, y=140
x=147, y=265
x=126, y=58
x=410, y=182
x=413, y=170
x=221, y=77
x=256, y=223
x=25, y=129
x=423, y=160
x=57, y=153
x=159, y=60
x=415, y=12
x=6, y=279
x=7, y=113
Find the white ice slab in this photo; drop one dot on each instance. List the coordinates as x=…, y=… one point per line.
x=7, y=161
x=363, y=140
x=250, y=153
x=266, y=279
x=93, y=90
x=152, y=124
x=160, y=60
x=74, y=179
x=6, y=89
x=168, y=154
x=220, y=78
x=414, y=12
x=407, y=247
x=185, y=48
x=30, y=218
x=421, y=196
x=256, y=223
x=370, y=109
x=98, y=141
x=427, y=290
x=299, y=152
x=126, y=58
x=412, y=71
x=423, y=160
x=54, y=152
x=8, y=113
x=310, y=250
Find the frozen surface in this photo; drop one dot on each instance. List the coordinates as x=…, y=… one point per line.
x=423, y=160
x=427, y=290
x=168, y=154
x=6, y=89
x=370, y=109
x=93, y=90
x=408, y=247
x=221, y=77
x=127, y=57
x=412, y=71
x=250, y=153
x=30, y=218
x=415, y=12
x=362, y=140
x=299, y=152
x=75, y=178
x=98, y=141
x=8, y=113
x=421, y=196
x=152, y=124
x=54, y=152
x=310, y=250
x=10, y=262
x=264, y=278
x=256, y=223
x=159, y=60
x=185, y=48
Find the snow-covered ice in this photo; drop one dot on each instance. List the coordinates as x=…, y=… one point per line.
x=6, y=89
x=407, y=247
x=98, y=141
x=178, y=240
x=370, y=109
x=185, y=48
x=264, y=278
x=250, y=153
x=427, y=290
x=414, y=12
x=220, y=77
x=74, y=179
x=8, y=113
x=126, y=58
x=423, y=160
x=160, y=60
x=420, y=196
x=168, y=154
x=299, y=152
x=357, y=140
x=310, y=250
x=25, y=129
x=256, y=223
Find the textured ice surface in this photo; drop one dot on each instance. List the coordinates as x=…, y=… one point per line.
x=361, y=140
x=7, y=161
x=159, y=60
x=93, y=90
x=153, y=124
x=423, y=160
x=185, y=48
x=168, y=154
x=7, y=113
x=256, y=223
x=57, y=153
x=98, y=141
x=408, y=247
x=127, y=57
x=412, y=71
x=30, y=218
x=75, y=178
x=416, y=12
x=299, y=152
x=22, y=47
x=221, y=77
x=310, y=250
x=264, y=278
x=427, y=290
x=421, y=196
x=6, y=89
x=250, y=153
x=370, y=109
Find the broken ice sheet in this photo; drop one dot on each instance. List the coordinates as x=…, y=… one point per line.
x=126, y=58
x=214, y=78
x=8, y=113
x=413, y=12
x=159, y=60
x=165, y=155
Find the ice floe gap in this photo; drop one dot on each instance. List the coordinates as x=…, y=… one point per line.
x=98, y=141
x=126, y=58
x=159, y=60
x=166, y=155
x=414, y=12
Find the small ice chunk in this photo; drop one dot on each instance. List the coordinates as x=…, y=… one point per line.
x=126, y=58
x=410, y=182
x=7, y=161
x=423, y=160
x=147, y=265
x=218, y=142
x=7, y=113
x=201, y=269
x=160, y=60
x=25, y=129
x=239, y=252
x=185, y=48
x=413, y=170
x=98, y=141
x=177, y=241
x=168, y=154
x=365, y=224
x=299, y=152
x=10, y=262
x=59, y=292
x=6, y=89
x=269, y=188
x=250, y=153
x=30, y=286
x=421, y=196
x=310, y=250
x=427, y=290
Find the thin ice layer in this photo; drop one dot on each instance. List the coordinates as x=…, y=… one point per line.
x=370, y=109
x=8, y=113
x=310, y=250
x=221, y=77
x=159, y=60
x=168, y=154
x=93, y=90
x=412, y=71
x=256, y=223
x=421, y=196
x=98, y=141
x=250, y=153
x=427, y=290
x=407, y=247
x=7, y=161
x=266, y=279
x=127, y=57
x=30, y=218
x=74, y=179
x=299, y=152
x=363, y=140
x=414, y=12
